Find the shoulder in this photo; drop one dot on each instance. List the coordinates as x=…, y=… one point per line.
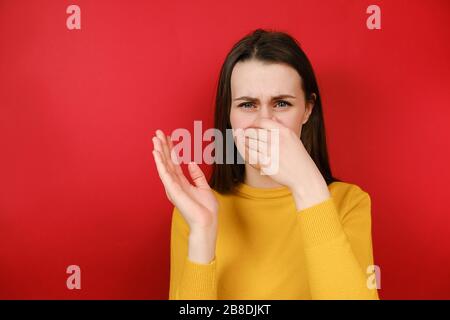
x=347, y=191
x=350, y=199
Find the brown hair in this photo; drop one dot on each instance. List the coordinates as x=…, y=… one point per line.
x=274, y=47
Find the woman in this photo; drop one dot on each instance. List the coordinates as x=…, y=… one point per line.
x=297, y=233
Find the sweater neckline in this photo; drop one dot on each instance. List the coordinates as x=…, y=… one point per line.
x=248, y=191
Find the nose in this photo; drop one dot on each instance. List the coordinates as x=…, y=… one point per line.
x=265, y=112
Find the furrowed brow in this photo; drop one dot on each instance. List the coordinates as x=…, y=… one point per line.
x=281, y=96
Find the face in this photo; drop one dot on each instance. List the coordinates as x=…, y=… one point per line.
x=265, y=90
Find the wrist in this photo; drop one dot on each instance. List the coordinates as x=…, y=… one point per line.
x=310, y=195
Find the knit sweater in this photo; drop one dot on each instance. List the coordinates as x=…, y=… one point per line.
x=267, y=249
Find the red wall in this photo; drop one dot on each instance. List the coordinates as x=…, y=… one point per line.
x=78, y=108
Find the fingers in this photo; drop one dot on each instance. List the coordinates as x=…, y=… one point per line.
x=262, y=140
x=257, y=133
x=157, y=145
x=257, y=158
x=173, y=156
x=164, y=161
x=239, y=140
x=257, y=145
x=163, y=173
x=163, y=144
x=253, y=156
x=176, y=161
x=266, y=123
x=197, y=175
x=165, y=149
x=174, y=191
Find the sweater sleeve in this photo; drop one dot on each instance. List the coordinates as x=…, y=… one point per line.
x=188, y=280
x=338, y=247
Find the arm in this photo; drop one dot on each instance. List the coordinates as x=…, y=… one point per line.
x=338, y=247
x=188, y=279
x=194, y=224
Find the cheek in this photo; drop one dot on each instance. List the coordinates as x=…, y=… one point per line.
x=292, y=121
x=240, y=119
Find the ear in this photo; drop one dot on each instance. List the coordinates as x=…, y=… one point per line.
x=309, y=107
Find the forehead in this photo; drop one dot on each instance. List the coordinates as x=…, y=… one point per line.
x=259, y=79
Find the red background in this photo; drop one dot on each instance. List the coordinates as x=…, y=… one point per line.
x=78, y=108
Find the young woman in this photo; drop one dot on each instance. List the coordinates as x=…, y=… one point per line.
x=296, y=234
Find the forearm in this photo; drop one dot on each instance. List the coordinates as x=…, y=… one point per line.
x=334, y=272
x=333, y=269
x=191, y=279
x=202, y=245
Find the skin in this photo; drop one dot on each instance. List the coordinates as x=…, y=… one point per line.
x=256, y=90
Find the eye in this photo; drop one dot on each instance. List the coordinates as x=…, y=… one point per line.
x=283, y=104
x=245, y=105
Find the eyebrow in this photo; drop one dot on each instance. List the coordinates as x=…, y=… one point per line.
x=281, y=96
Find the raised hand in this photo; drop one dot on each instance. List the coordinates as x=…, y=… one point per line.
x=197, y=203
x=294, y=168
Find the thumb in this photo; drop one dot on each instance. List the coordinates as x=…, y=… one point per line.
x=197, y=175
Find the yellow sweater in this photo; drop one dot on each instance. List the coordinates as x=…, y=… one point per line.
x=266, y=249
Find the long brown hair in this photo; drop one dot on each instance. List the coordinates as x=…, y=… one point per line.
x=275, y=47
